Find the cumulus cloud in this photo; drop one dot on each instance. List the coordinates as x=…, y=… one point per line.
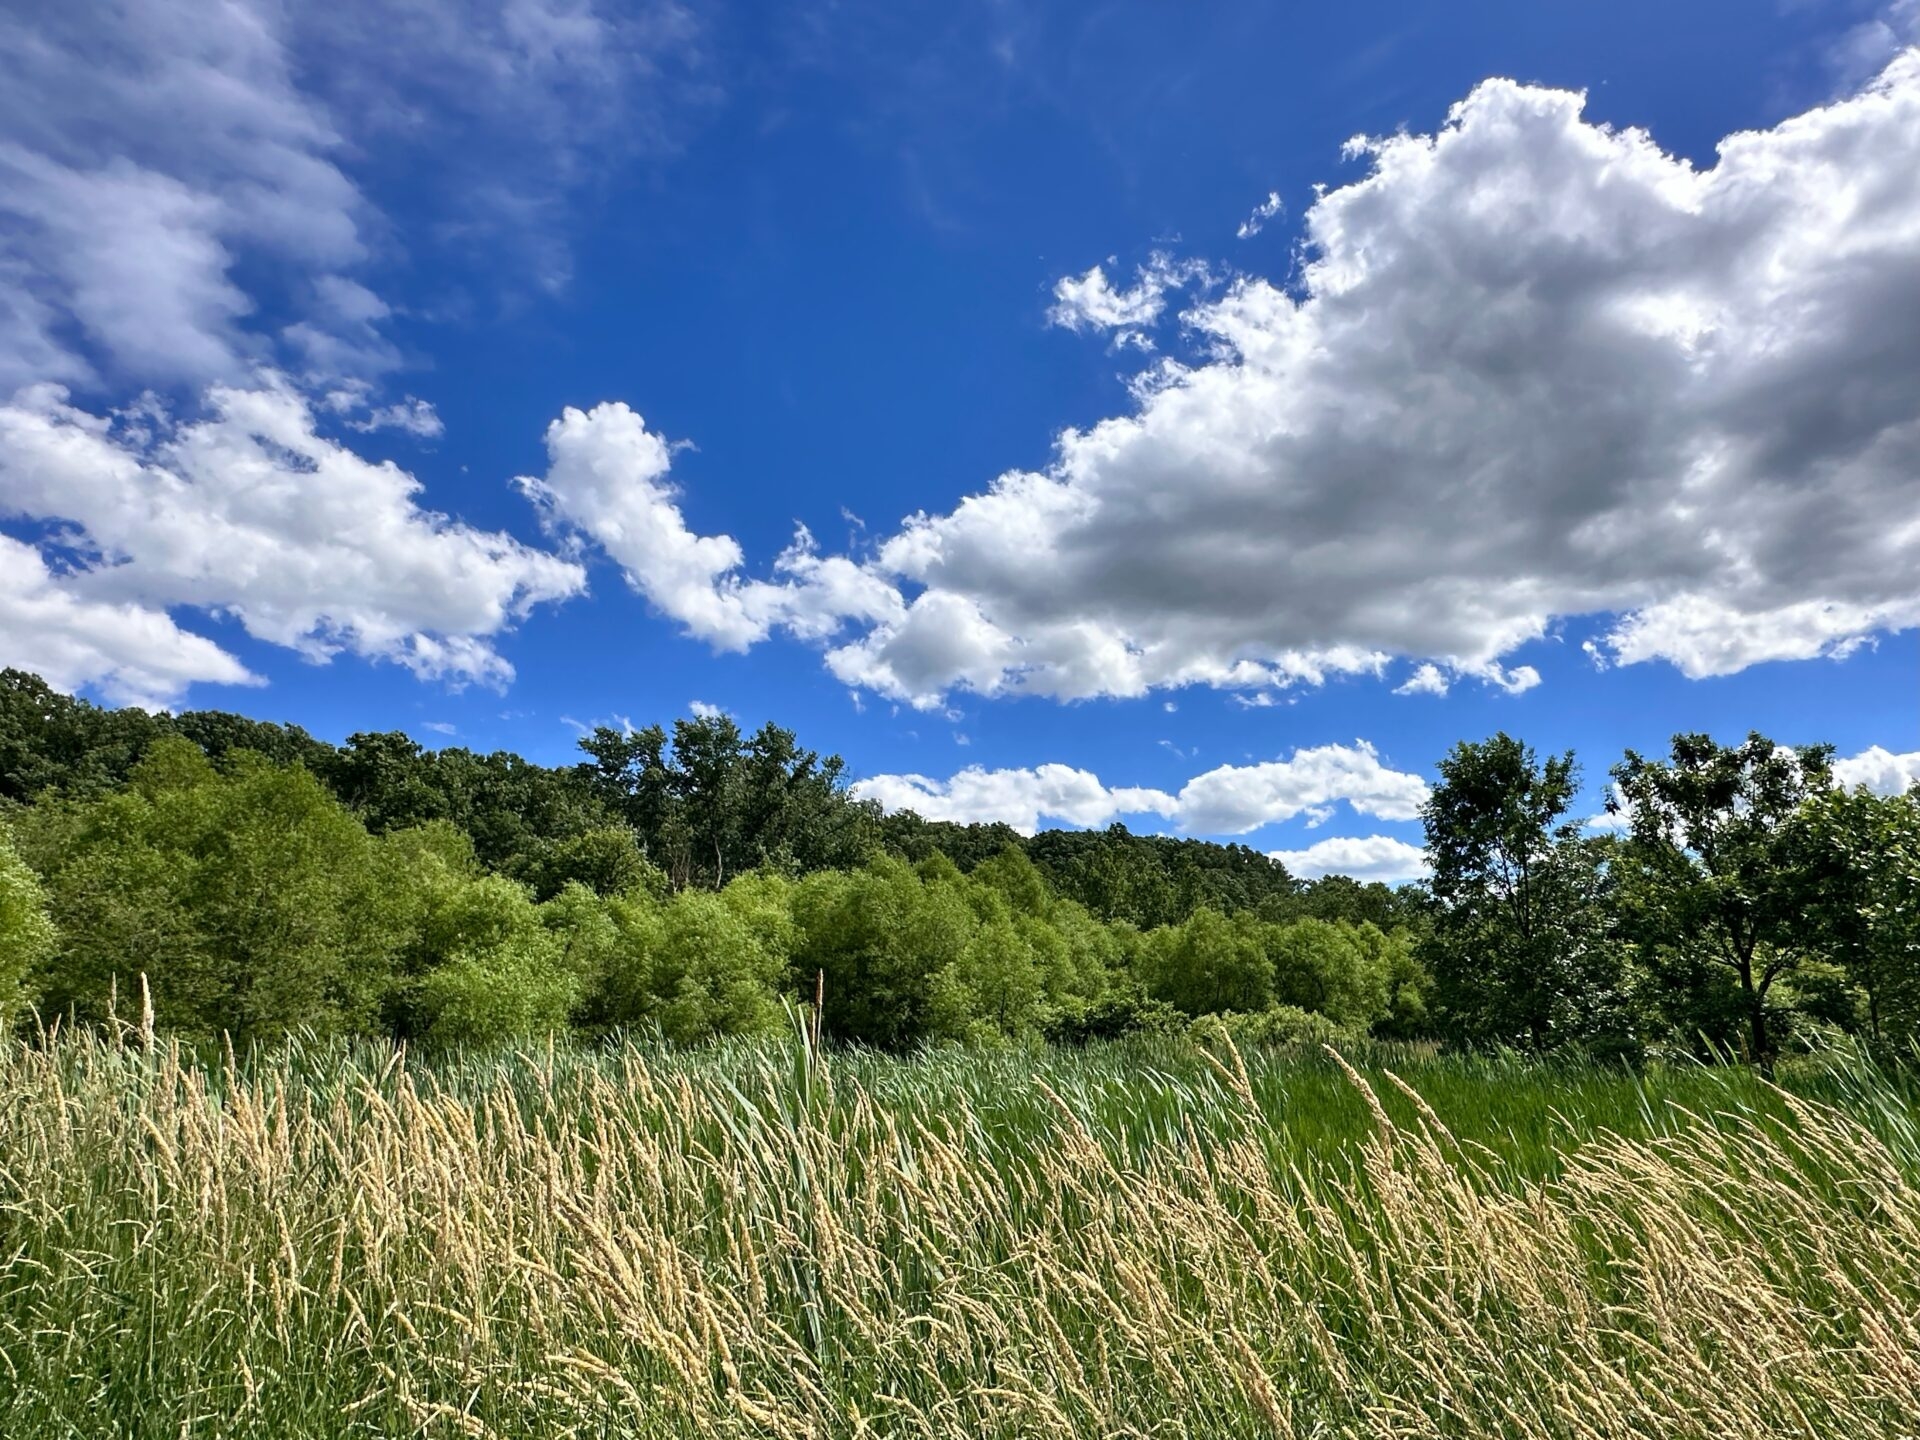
x=1533, y=368
x=1427, y=679
x=1228, y=800
x=1020, y=798
x=134, y=654
x=250, y=513
x=1880, y=770
x=1537, y=368
x=607, y=483
x=1373, y=857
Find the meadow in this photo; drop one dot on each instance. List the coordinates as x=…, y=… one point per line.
x=1141, y=1238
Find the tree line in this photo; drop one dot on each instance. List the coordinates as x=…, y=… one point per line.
x=1740, y=899
x=692, y=881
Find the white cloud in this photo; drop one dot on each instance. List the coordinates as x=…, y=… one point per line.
x=353, y=401
x=1539, y=368
x=251, y=513
x=1090, y=301
x=1864, y=49
x=607, y=482
x=1427, y=679
x=144, y=148
x=153, y=152
x=1236, y=798
x=702, y=710
x=1880, y=770
x=1229, y=800
x=1020, y=798
x=1257, y=221
x=134, y=654
x=1374, y=857
x=1534, y=368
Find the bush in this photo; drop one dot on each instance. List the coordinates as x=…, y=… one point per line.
x=251, y=899
x=1283, y=1025
x=1112, y=1016
x=1208, y=965
x=495, y=972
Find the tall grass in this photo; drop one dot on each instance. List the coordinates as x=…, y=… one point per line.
x=1130, y=1241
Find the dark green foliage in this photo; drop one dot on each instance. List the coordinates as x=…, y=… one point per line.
x=1706, y=872
x=606, y=860
x=49, y=740
x=1859, y=856
x=1359, y=902
x=711, y=804
x=1520, y=940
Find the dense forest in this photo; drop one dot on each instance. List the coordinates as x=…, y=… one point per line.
x=258, y=881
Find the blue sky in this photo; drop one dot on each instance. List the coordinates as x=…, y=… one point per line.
x=467, y=369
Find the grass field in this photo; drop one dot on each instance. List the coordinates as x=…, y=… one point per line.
x=1131, y=1240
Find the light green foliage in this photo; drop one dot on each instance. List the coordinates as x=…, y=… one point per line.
x=697, y=966
x=887, y=942
x=1211, y=963
x=250, y=899
x=1286, y=1026
x=27, y=933
x=1335, y=969
x=481, y=964
x=1017, y=880
x=995, y=989
x=620, y=994
x=495, y=972
x=714, y=970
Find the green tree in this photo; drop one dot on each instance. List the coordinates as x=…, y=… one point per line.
x=483, y=965
x=1857, y=855
x=711, y=803
x=51, y=741
x=27, y=933
x=1211, y=963
x=605, y=859
x=886, y=942
x=1519, y=944
x=250, y=898
x=1709, y=860
x=1331, y=968
x=713, y=971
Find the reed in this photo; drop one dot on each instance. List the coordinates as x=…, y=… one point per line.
x=1137, y=1240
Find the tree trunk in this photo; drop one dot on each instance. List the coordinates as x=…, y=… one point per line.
x=1762, y=1046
